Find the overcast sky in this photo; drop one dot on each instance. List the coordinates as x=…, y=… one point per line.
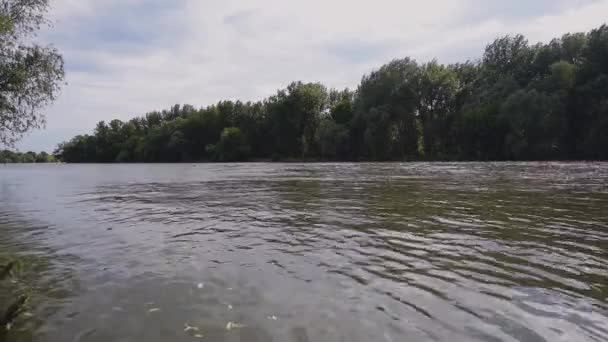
x=127, y=57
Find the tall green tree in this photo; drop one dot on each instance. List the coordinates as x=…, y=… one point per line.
x=509, y=57
x=386, y=108
x=294, y=115
x=437, y=92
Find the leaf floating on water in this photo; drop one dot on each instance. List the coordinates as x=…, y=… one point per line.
x=188, y=327
x=200, y=286
x=229, y=307
x=273, y=317
x=232, y=325
x=154, y=310
x=199, y=336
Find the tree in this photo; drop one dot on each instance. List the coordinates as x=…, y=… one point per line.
x=294, y=115
x=545, y=101
x=437, y=91
x=80, y=149
x=334, y=140
x=572, y=47
x=534, y=125
x=587, y=111
x=477, y=133
x=42, y=157
x=509, y=56
x=7, y=156
x=385, y=109
x=232, y=146
x=30, y=75
x=341, y=106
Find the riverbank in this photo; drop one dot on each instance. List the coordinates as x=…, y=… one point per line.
x=13, y=296
x=26, y=288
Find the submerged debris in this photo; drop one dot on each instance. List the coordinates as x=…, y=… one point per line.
x=200, y=286
x=6, y=270
x=273, y=317
x=188, y=327
x=228, y=305
x=154, y=310
x=199, y=336
x=12, y=312
x=232, y=325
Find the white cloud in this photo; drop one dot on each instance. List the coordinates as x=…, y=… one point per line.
x=126, y=57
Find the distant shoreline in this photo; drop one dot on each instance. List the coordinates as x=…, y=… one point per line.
x=298, y=161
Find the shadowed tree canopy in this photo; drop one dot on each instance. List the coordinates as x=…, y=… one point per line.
x=518, y=102
x=30, y=75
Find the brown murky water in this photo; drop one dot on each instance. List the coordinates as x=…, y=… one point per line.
x=317, y=252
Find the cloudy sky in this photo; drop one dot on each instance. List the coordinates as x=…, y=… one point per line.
x=127, y=57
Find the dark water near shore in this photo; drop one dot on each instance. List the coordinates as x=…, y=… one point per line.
x=318, y=252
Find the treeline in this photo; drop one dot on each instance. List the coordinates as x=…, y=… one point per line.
x=7, y=156
x=518, y=102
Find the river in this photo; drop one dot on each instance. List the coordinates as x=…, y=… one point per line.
x=311, y=252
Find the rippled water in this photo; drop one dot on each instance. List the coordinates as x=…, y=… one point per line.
x=319, y=252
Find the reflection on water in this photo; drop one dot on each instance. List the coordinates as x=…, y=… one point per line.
x=323, y=252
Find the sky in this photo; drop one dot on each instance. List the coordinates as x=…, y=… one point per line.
x=128, y=57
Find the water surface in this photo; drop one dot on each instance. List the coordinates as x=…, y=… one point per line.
x=312, y=252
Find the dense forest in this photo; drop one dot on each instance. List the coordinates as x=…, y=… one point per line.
x=7, y=156
x=518, y=102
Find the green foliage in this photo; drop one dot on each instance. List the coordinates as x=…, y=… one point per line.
x=533, y=126
x=333, y=139
x=293, y=118
x=385, y=112
x=30, y=75
x=437, y=92
x=509, y=56
x=232, y=146
x=562, y=76
x=478, y=135
x=341, y=106
x=520, y=101
x=7, y=156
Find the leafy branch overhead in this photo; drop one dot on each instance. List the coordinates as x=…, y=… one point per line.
x=30, y=74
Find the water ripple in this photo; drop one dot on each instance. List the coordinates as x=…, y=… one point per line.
x=359, y=252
